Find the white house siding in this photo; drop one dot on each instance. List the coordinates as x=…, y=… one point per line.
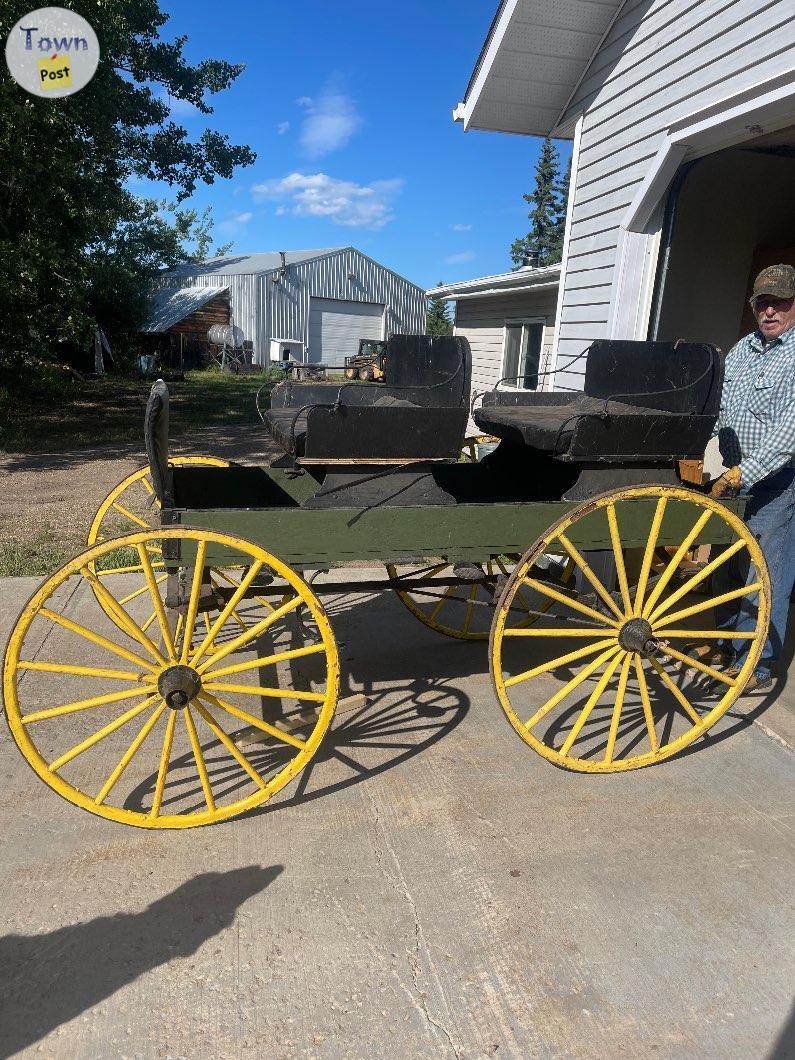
x=661, y=61
x=286, y=304
x=482, y=320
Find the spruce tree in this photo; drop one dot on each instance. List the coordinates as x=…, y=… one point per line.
x=541, y=240
x=438, y=322
x=560, y=221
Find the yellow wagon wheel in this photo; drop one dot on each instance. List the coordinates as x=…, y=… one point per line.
x=182, y=725
x=609, y=685
x=464, y=611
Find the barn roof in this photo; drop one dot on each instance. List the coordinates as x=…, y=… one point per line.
x=241, y=264
x=532, y=61
x=169, y=305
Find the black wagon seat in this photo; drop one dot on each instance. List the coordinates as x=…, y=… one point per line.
x=418, y=412
x=644, y=405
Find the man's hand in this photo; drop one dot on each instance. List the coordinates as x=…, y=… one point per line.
x=728, y=485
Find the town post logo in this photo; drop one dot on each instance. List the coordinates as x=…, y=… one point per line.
x=52, y=52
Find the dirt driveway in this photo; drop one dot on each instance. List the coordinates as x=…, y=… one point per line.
x=49, y=499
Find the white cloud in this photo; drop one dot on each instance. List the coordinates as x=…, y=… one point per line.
x=460, y=228
x=341, y=201
x=282, y=127
x=331, y=120
x=459, y=259
x=235, y=222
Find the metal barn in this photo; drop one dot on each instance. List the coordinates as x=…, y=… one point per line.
x=317, y=303
x=682, y=117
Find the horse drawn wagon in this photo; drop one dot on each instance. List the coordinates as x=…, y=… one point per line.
x=183, y=669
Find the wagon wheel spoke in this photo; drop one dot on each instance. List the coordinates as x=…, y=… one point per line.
x=229, y=609
x=713, y=602
x=266, y=660
x=95, y=638
x=702, y=667
x=648, y=555
x=165, y=758
x=569, y=601
x=154, y=592
x=129, y=754
x=224, y=576
x=84, y=704
x=676, y=561
x=696, y=579
x=676, y=692
x=82, y=671
x=122, y=618
x=617, y=708
x=559, y=661
x=611, y=726
x=593, y=699
x=235, y=752
x=647, y=711
x=252, y=633
x=583, y=565
x=571, y=685
x=199, y=759
x=101, y=734
x=256, y=723
x=618, y=557
x=193, y=602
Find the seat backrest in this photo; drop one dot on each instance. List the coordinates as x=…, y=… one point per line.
x=435, y=369
x=156, y=440
x=683, y=377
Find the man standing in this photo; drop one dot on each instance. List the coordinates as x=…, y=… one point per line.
x=756, y=434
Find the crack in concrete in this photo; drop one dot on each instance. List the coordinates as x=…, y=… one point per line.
x=398, y=883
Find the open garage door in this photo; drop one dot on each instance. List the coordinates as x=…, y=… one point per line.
x=335, y=327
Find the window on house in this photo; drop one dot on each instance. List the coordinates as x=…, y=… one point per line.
x=522, y=353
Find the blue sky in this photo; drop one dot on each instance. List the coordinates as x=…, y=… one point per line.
x=348, y=107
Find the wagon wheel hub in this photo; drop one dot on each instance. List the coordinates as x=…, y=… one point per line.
x=178, y=685
x=636, y=635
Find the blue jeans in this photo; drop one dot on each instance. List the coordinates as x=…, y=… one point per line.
x=770, y=515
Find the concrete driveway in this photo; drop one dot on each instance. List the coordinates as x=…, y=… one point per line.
x=428, y=888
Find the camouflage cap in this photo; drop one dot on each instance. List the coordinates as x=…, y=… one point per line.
x=778, y=281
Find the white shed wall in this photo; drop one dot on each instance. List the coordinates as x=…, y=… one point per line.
x=349, y=275
x=661, y=61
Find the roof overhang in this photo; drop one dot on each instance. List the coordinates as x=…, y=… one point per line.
x=169, y=305
x=532, y=61
x=501, y=283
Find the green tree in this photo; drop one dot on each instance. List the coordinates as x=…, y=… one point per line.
x=77, y=246
x=438, y=320
x=560, y=221
x=540, y=242
x=196, y=234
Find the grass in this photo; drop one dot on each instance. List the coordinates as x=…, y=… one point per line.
x=111, y=410
x=42, y=553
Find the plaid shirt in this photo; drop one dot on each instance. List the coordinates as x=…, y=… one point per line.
x=756, y=425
